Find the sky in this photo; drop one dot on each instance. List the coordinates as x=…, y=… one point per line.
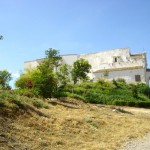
x=30, y=27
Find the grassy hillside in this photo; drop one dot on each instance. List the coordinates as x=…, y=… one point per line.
x=65, y=124
x=116, y=92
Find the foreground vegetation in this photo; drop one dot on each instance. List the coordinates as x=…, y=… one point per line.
x=116, y=92
x=65, y=124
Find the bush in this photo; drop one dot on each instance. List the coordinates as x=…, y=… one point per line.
x=79, y=90
x=135, y=91
x=28, y=94
x=24, y=81
x=75, y=96
x=18, y=102
x=93, y=97
x=40, y=104
x=120, y=83
x=119, y=103
x=2, y=102
x=145, y=90
x=121, y=80
x=145, y=104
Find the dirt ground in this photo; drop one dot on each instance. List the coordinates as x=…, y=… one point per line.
x=70, y=124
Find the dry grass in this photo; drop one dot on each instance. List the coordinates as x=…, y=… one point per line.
x=71, y=125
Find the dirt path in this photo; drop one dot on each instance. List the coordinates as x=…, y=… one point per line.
x=137, y=110
x=140, y=143
x=137, y=144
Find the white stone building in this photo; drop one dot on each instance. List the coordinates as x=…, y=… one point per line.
x=111, y=64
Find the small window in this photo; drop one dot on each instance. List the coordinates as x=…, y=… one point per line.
x=137, y=78
x=116, y=59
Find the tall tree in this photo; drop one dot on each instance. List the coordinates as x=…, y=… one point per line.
x=1, y=37
x=63, y=75
x=53, y=59
x=80, y=69
x=45, y=80
x=5, y=77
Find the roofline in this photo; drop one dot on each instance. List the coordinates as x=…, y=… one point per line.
x=107, y=51
x=138, y=54
x=44, y=58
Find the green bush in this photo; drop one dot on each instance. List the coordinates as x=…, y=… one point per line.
x=119, y=103
x=24, y=81
x=2, y=102
x=145, y=90
x=18, y=102
x=119, y=83
x=135, y=91
x=121, y=80
x=144, y=104
x=27, y=92
x=40, y=104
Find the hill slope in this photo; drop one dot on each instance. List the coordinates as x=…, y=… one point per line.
x=69, y=124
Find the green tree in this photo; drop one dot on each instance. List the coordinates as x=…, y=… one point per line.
x=63, y=75
x=45, y=81
x=53, y=59
x=25, y=80
x=5, y=77
x=1, y=37
x=80, y=69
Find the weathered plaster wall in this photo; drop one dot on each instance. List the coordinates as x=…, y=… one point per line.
x=69, y=59
x=31, y=64
x=128, y=75
x=105, y=60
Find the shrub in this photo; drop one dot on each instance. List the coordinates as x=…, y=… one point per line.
x=75, y=96
x=145, y=104
x=135, y=91
x=119, y=103
x=40, y=104
x=2, y=102
x=28, y=94
x=119, y=83
x=24, y=81
x=145, y=90
x=79, y=90
x=121, y=80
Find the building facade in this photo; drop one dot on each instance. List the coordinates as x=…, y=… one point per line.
x=110, y=64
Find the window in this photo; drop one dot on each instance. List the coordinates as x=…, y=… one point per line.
x=137, y=78
x=115, y=59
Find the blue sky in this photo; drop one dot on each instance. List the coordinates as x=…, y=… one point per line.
x=30, y=27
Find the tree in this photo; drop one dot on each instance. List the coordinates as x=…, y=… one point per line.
x=5, y=77
x=25, y=80
x=45, y=80
x=1, y=37
x=63, y=75
x=80, y=69
x=53, y=58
